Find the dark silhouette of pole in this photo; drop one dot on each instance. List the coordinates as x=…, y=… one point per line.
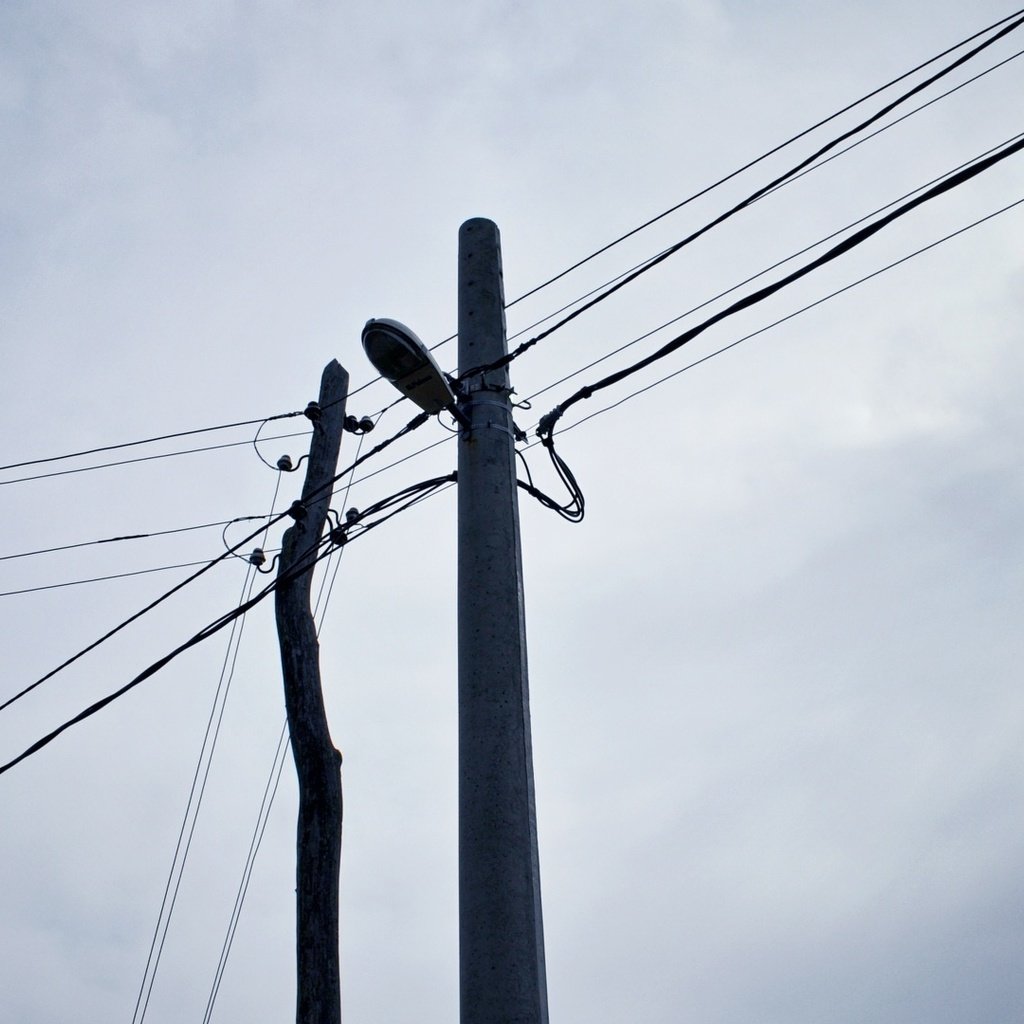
x=501, y=938
x=317, y=762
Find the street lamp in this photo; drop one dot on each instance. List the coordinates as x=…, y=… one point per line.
x=398, y=354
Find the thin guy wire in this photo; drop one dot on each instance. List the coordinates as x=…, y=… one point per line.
x=235, y=642
x=262, y=818
x=160, y=931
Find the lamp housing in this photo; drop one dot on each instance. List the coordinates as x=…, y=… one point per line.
x=398, y=354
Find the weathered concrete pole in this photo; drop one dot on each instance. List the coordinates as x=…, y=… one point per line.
x=501, y=938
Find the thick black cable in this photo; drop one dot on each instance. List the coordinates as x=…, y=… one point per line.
x=304, y=563
x=789, y=316
x=752, y=198
x=761, y=158
x=547, y=423
x=413, y=424
x=766, y=270
x=205, y=633
x=809, y=170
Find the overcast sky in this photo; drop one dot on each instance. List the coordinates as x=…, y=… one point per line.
x=775, y=673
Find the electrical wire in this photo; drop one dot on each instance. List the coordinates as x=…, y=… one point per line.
x=413, y=424
x=752, y=198
x=200, y=777
x=97, y=579
x=195, y=798
x=774, y=266
x=809, y=170
x=736, y=173
x=789, y=316
x=148, y=440
x=764, y=156
x=145, y=458
x=128, y=536
x=546, y=427
x=266, y=803
x=305, y=562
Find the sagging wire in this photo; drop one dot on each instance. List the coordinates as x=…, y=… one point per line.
x=571, y=510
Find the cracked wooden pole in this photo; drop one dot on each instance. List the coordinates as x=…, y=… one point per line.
x=317, y=762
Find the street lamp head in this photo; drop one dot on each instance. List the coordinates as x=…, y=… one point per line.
x=396, y=353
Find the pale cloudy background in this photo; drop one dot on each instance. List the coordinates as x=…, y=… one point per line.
x=775, y=674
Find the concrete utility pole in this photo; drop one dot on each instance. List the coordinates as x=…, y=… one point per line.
x=317, y=762
x=501, y=937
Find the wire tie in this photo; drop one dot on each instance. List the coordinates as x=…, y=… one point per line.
x=312, y=411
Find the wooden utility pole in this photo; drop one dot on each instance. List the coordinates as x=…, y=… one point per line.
x=317, y=762
x=501, y=948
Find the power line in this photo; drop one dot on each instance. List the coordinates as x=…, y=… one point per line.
x=413, y=424
x=790, y=316
x=766, y=270
x=147, y=458
x=762, y=157
x=415, y=493
x=149, y=440
x=128, y=536
x=197, y=790
x=263, y=816
x=809, y=170
x=194, y=802
x=764, y=190
x=98, y=579
x=547, y=423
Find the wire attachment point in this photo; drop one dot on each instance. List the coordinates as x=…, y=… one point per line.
x=313, y=412
x=258, y=557
x=285, y=464
x=297, y=511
